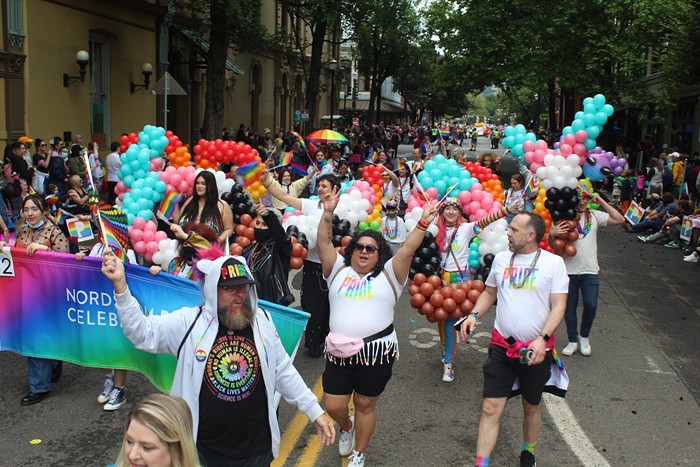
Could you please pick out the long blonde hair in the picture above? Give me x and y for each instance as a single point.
(171, 421)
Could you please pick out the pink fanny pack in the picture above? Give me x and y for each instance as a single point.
(344, 347)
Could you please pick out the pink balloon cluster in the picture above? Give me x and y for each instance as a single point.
(475, 202)
(366, 191)
(145, 236)
(180, 179)
(535, 152)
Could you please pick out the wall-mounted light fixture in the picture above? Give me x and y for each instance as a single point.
(82, 58)
(147, 71)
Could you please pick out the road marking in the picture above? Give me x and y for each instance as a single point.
(655, 368)
(294, 431)
(572, 432)
(413, 338)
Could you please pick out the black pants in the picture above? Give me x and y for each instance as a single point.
(211, 459)
(111, 194)
(314, 300)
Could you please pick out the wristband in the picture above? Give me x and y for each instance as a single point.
(421, 227)
(475, 315)
(423, 223)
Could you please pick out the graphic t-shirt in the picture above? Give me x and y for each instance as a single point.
(233, 418)
(522, 312)
(460, 247)
(394, 229)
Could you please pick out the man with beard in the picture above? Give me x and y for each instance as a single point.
(531, 286)
(230, 363)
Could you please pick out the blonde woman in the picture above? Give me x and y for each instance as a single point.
(158, 433)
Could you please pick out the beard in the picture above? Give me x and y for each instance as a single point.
(236, 316)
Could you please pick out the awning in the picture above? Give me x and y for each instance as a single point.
(203, 46)
(385, 106)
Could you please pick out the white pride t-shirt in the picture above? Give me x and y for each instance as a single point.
(311, 207)
(585, 261)
(363, 306)
(522, 312)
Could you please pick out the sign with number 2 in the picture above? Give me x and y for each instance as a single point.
(7, 266)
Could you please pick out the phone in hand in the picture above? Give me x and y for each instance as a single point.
(525, 355)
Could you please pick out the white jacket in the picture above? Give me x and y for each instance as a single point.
(164, 333)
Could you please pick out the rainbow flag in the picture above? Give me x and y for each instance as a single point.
(39, 317)
(444, 132)
(94, 203)
(684, 189)
(167, 206)
(301, 139)
(287, 159)
(373, 156)
(115, 231)
(530, 186)
(60, 216)
(51, 199)
(297, 168)
(251, 172)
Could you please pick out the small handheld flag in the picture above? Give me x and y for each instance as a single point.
(167, 206)
(251, 172)
(530, 186)
(115, 231)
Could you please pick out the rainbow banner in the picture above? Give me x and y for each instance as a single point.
(52, 306)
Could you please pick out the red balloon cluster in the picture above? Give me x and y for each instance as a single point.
(245, 234)
(343, 243)
(478, 171)
(173, 142)
(437, 301)
(209, 153)
(372, 174)
(126, 140)
(563, 244)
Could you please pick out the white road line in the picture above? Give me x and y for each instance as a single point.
(434, 337)
(572, 432)
(655, 368)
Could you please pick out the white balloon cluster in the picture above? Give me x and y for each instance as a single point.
(559, 171)
(493, 238)
(167, 250)
(413, 216)
(223, 184)
(353, 207)
(308, 225)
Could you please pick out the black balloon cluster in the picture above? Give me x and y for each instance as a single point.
(293, 231)
(562, 203)
(241, 203)
(341, 228)
(483, 272)
(426, 259)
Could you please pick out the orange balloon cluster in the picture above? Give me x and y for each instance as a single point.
(180, 157)
(299, 253)
(494, 187)
(563, 243)
(437, 301)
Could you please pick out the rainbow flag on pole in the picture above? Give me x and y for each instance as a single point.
(301, 139)
(251, 172)
(530, 186)
(287, 159)
(167, 206)
(116, 231)
(373, 156)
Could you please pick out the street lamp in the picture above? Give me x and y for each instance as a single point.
(82, 58)
(146, 71)
(332, 66)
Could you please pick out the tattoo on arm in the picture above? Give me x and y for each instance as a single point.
(329, 224)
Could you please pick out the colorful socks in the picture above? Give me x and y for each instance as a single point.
(529, 447)
(482, 461)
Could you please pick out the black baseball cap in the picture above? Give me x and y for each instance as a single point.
(234, 272)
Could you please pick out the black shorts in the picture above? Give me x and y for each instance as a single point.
(366, 380)
(500, 372)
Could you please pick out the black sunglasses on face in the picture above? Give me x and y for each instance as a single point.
(359, 247)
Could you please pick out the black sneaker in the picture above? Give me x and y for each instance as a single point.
(57, 372)
(527, 459)
(116, 399)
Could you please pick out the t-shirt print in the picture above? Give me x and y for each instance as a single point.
(233, 368)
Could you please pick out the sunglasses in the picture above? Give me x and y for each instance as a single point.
(359, 247)
(234, 288)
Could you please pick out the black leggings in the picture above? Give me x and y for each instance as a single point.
(314, 300)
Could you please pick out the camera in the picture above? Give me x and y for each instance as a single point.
(525, 355)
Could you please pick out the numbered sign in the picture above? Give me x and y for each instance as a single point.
(7, 265)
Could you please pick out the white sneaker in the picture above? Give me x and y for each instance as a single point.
(570, 349)
(109, 385)
(447, 374)
(691, 258)
(585, 347)
(357, 459)
(346, 440)
(116, 399)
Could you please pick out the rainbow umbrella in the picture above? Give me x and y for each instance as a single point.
(327, 137)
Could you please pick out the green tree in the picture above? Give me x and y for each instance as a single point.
(229, 25)
(383, 32)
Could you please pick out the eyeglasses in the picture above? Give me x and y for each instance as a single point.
(359, 247)
(234, 288)
(43, 144)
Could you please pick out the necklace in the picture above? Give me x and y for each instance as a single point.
(583, 231)
(519, 285)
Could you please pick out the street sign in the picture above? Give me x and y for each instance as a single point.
(297, 115)
(305, 115)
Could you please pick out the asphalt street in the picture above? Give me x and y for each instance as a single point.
(633, 402)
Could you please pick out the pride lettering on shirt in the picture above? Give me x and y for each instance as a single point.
(356, 289)
(515, 275)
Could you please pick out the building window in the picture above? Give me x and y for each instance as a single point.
(99, 96)
(15, 26)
